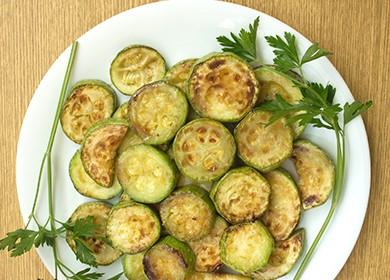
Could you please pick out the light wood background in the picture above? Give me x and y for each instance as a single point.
(34, 33)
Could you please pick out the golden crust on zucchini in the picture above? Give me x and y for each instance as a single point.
(136, 66)
(206, 249)
(99, 150)
(283, 258)
(204, 150)
(222, 87)
(316, 173)
(157, 111)
(284, 209)
(104, 254)
(88, 103)
(260, 145)
(241, 195)
(187, 216)
(132, 227)
(179, 73)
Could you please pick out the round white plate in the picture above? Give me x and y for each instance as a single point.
(183, 29)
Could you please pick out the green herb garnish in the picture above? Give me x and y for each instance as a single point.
(316, 107)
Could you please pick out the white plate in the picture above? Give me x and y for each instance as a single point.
(182, 29)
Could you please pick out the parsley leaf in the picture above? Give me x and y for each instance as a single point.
(354, 109)
(83, 253)
(116, 277)
(21, 241)
(83, 227)
(85, 274)
(243, 44)
(287, 56)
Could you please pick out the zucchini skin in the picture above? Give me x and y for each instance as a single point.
(222, 137)
(311, 177)
(214, 61)
(84, 83)
(283, 258)
(123, 51)
(216, 276)
(120, 227)
(113, 145)
(243, 148)
(236, 238)
(102, 246)
(153, 128)
(133, 267)
(122, 112)
(163, 166)
(89, 187)
(184, 254)
(283, 213)
(179, 73)
(254, 189)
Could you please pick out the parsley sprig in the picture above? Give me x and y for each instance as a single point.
(23, 240)
(317, 106)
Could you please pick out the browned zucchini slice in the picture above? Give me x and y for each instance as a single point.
(316, 173)
(169, 259)
(89, 102)
(273, 83)
(157, 111)
(85, 185)
(246, 247)
(132, 227)
(216, 276)
(99, 149)
(179, 73)
(102, 251)
(133, 267)
(261, 145)
(284, 208)
(204, 150)
(136, 66)
(283, 258)
(188, 214)
(146, 174)
(206, 249)
(222, 87)
(241, 195)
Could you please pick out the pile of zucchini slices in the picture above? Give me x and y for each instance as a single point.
(197, 165)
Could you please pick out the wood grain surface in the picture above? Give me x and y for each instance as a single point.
(33, 33)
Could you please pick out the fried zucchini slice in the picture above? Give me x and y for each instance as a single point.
(99, 149)
(316, 173)
(206, 249)
(185, 181)
(169, 259)
(85, 185)
(136, 66)
(89, 101)
(131, 138)
(188, 214)
(260, 145)
(241, 195)
(283, 258)
(204, 150)
(146, 174)
(157, 111)
(133, 267)
(246, 247)
(179, 73)
(132, 227)
(273, 83)
(222, 87)
(102, 251)
(284, 208)
(216, 276)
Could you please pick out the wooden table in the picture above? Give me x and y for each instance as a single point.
(33, 33)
